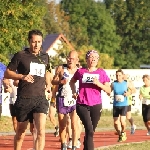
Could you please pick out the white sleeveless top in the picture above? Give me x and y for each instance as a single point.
(66, 90)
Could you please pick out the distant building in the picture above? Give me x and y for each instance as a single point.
(53, 42)
(145, 66)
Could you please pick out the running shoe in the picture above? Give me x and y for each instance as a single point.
(69, 145)
(133, 128)
(57, 131)
(122, 137)
(78, 144)
(148, 133)
(63, 146)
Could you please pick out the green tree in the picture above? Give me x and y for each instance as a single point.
(55, 21)
(91, 24)
(16, 19)
(132, 22)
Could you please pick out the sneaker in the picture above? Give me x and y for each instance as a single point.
(148, 133)
(57, 131)
(122, 137)
(74, 148)
(133, 128)
(69, 145)
(63, 146)
(78, 144)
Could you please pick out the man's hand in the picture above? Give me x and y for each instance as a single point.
(48, 91)
(127, 93)
(7, 88)
(75, 95)
(28, 78)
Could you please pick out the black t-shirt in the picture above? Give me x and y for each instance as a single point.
(21, 62)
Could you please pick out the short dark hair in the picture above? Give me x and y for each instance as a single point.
(119, 70)
(34, 32)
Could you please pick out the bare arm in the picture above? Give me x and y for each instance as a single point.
(105, 87)
(72, 85)
(12, 75)
(132, 88)
(58, 76)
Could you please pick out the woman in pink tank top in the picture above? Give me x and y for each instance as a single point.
(89, 102)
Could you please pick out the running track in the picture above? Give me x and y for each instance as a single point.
(104, 138)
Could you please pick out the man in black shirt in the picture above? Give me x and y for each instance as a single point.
(33, 79)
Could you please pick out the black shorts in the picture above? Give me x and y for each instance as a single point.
(12, 110)
(146, 112)
(25, 107)
(129, 108)
(120, 110)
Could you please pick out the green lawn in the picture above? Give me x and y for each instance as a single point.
(106, 123)
(134, 146)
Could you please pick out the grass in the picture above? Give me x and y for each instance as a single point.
(106, 122)
(131, 146)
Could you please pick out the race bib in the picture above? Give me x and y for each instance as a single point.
(146, 101)
(69, 101)
(88, 78)
(119, 98)
(37, 69)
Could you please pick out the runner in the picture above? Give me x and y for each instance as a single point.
(145, 98)
(52, 110)
(31, 101)
(64, 102)
(89, 103)
(129, 117)
(120, 87)
(10, 86)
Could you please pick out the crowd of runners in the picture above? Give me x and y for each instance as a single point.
(72, 92)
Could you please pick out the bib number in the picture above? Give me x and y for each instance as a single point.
(146, 101)
(119, 98)
(69, 101)
(88, 78)
(37, 69)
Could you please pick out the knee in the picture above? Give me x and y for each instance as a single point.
(41, 132)
(62, 125)
(20, 134)
(90, 132)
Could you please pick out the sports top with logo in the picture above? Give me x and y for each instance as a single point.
(145, 92)
(26, 63)
(119, 89)
(65, 90)
(89, 93)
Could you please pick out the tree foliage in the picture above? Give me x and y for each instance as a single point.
(91, 24)
(16, 19)
(55, 21)
(133, 26)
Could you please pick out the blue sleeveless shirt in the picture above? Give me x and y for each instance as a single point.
(119, 89)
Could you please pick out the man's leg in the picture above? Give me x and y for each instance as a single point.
(133, 126)
(40, 121)
(116, 118)
(13, 114)
(74, 127)
(20, 133)
(52, 112)
(69, 132)
(62, 128)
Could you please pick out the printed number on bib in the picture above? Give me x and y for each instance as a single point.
(146, 101)
(37, 69)
(119, 98)
(88, 78)
(69, 102)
